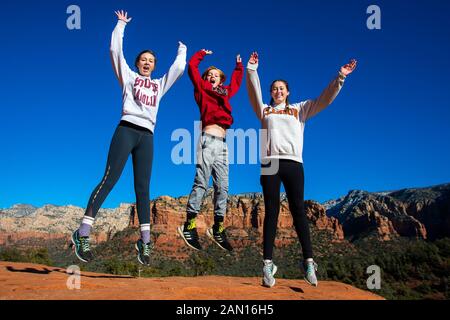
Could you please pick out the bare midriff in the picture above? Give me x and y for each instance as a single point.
(215, 130)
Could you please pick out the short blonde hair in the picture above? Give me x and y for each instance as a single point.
(222, 75)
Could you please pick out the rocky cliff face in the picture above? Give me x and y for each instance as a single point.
(245, 213)
(418, 213)
(23, 222)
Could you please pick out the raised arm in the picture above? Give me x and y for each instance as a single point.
(236, 76)
(176, 69)
(254, 86)
(120, 66)
(193, 71)
(312, 107)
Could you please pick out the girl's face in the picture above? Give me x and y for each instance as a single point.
(279, 92)
(146, 64)
(213, 77)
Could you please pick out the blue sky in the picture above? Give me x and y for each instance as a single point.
(60, 101)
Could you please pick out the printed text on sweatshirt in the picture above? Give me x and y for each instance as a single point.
(284, 125)
(141, 95)
(215, 107)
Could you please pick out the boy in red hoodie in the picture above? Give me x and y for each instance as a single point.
(212, 97)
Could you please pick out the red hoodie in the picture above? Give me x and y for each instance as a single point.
(214, 107)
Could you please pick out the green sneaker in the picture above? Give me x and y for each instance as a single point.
(143, 252)
(81, 247)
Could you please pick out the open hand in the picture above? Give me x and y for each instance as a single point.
(207, 51)
(253, 58)
(121, 15)
(349, 67)
(238, 58)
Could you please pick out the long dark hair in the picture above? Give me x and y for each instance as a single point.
(141, 53)
(287, 88)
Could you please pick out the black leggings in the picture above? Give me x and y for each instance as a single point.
(290, 173)
(128, 138)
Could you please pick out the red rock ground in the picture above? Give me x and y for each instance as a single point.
(24, 281)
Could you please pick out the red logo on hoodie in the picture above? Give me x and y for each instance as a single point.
(142, 94)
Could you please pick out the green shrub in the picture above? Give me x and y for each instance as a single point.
(38, 256)
(12, 255)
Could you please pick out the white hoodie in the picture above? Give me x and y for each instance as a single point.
(284, 126)
(141, 95)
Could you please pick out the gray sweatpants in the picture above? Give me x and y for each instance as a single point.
(212, 159)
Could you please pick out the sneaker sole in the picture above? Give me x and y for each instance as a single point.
(211, 236)
(267, 285)
(75, 250)
(180, 232)
(310, 283)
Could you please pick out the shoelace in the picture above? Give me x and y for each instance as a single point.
(268, 268)
(85, 244)
(311, 267)
(147, 249)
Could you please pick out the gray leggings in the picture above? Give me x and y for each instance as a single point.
(128, 138)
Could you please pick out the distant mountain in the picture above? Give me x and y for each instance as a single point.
(20, 210)
(418, 213)
(415, 212)
(245, 216)
(49, 222)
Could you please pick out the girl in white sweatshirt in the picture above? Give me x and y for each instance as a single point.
(281, 158)
(140, 102)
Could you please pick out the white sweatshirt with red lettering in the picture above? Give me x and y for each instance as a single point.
(282, 125)
(141, 95)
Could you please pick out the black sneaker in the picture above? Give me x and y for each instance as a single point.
(143, 252)
(188, 232)
(219, 237)
(81, 247)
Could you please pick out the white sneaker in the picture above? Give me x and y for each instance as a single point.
(310, 272)
(269, 271)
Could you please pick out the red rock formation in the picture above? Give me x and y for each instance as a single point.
(318, 216)
(134, 220)
(7, 238)
(362, 213)
(243, 214)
